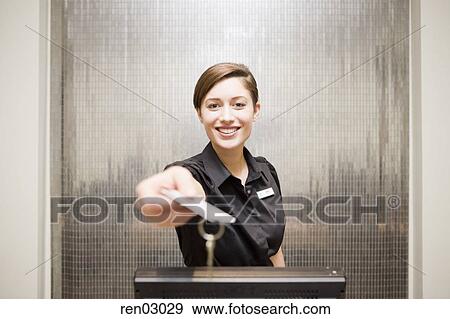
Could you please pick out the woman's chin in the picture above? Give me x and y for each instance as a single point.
(228, 144)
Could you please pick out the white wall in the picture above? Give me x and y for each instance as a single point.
(435, 69)
(22, 137)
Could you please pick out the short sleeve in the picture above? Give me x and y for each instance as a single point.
(274, 174)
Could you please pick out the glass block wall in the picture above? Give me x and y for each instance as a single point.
(333, 80)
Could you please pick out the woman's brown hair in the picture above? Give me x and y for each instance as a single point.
(219, 72)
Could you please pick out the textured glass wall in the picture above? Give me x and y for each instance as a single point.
(333, 80)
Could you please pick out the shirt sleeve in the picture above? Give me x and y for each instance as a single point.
(274, 174)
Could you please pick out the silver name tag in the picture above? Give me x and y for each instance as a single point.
(265, 193)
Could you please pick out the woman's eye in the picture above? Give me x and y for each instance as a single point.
(240, 105)
(212, 106)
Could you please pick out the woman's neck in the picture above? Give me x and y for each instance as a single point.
(233, 159)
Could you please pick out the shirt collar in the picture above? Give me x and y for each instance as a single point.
(217, 170)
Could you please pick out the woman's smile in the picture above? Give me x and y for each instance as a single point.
(227, 132)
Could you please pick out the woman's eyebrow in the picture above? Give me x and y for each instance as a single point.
(212, 99)
(237, 97)
(217, 99)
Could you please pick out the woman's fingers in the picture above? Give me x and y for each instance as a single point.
(153, 206)
(160, 209)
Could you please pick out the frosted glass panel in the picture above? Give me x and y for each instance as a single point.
(333, 81)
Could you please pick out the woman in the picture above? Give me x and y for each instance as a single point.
(227, 175)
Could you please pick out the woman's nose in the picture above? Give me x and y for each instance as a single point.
(226, 115)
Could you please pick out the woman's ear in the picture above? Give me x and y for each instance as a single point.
(256, 110)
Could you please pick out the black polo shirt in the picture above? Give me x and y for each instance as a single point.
(258, 231)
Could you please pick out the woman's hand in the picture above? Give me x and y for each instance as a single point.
(278, 259)
(161, 210)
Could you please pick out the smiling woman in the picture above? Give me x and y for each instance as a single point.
(227, 175)
(226, 101)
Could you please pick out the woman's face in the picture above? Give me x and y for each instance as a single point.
(228, 113)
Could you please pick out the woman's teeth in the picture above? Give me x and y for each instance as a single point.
(227, 130)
